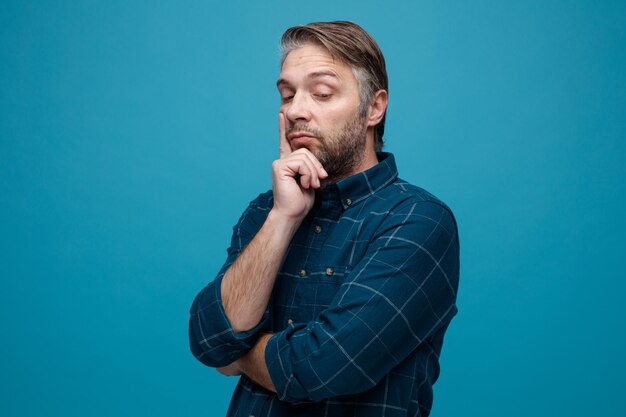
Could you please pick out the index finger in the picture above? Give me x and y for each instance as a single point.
(284, 146)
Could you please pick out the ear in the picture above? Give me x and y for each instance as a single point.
(378, 105)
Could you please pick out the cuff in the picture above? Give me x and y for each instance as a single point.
(278, 360)
(217, 341)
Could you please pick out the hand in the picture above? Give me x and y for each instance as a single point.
(295, 176)
(230, 370)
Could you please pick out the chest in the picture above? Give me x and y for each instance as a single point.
(320, 258)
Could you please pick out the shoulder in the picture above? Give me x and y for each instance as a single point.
(422, 220)
(255, 213)
(263, 202)
(408, 211)
(404, 197)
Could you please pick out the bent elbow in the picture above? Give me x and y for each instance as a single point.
(217, 355)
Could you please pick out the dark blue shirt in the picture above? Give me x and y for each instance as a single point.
(359, 308)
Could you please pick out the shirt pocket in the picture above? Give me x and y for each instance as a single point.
(315, 288)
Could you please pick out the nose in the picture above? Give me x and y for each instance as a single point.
(298, 109)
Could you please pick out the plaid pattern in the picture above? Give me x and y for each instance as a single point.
(359, 308)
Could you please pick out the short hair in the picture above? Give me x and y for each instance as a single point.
(351, 44)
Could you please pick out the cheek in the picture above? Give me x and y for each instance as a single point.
(338, 115)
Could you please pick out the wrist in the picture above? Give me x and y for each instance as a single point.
(246, 364)
(281, 222)
(242, 363)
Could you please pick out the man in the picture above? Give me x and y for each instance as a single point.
(340, 282)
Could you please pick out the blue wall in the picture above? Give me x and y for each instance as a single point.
(132, 134)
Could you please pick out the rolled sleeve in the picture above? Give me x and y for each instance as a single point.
(400, 293)
(212, 339)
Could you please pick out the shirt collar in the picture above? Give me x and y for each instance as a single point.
(358, 187)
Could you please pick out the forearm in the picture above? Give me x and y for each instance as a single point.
(254, 366)
(247, 285)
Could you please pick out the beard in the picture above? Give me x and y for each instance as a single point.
(339, 151)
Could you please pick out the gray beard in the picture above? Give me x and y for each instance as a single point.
(341, 155)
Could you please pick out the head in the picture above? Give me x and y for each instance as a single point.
(333, 82)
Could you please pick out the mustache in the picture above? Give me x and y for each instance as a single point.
(304, 128)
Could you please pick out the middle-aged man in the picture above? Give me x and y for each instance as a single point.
(339, 282)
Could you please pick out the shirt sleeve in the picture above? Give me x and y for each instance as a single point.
(211, 337)
(401, 292)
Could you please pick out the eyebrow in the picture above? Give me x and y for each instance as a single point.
(316, 74)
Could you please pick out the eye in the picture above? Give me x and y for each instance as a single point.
(322, 96)
(286, 94)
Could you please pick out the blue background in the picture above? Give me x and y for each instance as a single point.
(132, 135)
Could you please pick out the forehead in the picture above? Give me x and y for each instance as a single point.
(313, 59)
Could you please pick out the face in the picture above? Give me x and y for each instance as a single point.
(320, 100)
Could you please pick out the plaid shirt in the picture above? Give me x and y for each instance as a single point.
(359, 307)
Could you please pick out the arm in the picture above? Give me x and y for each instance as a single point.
(396, 297)
(248, 284)
(228, 314)
(253, 365)
(211, 337)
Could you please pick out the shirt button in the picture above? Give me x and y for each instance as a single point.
(290, 321)
(317, 229)
(348, 202)
(330, 271)
(302, 272)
